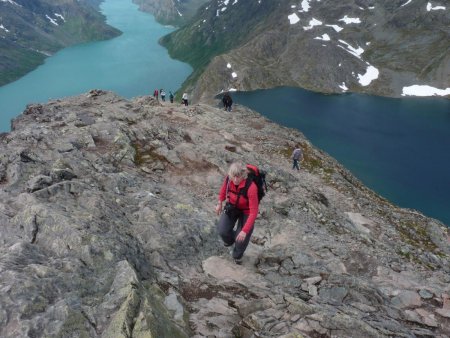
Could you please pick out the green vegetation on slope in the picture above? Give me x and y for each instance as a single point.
(209, 35)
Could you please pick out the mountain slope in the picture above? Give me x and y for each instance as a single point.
(109, 230)
(174, 12)
(376, 47)
(32, 30)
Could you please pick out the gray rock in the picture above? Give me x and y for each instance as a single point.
(39, 182)
(406, 299)
(425, 294)
(101, 246)
(334, 295)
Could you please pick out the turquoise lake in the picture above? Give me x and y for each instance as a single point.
(131, 64)
(399, 148)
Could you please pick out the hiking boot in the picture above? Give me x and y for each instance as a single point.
(238, 261)
(227, 245)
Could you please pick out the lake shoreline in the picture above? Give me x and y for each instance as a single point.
(375, 144)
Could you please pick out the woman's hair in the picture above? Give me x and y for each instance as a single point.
(237, 169)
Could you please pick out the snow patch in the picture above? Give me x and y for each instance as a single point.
(324, 37)
(313, 22)
(234, 75)
(293, 19)
(335, 27)
(349, 20)
(354, 51)
(370, 75)
(305, 6)
(343, 87)
(53, 21)
(228, 65)
(11, 2)
(431, 8)
(3, 27)
(423, 90)
(406, 3)
(60, 16)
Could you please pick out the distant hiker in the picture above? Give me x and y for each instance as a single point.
(227, 101)
(297, 156)
(163, 95)
(170, 96)
(184, 99)
(241, 205)
(155, 94)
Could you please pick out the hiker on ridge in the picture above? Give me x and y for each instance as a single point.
(184, 99)
(227, 101)
(240, 206)
(170, 96)
(297, 155)
(163, 95)
(155, 94)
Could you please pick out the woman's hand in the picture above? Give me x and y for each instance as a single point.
(219, 208)
(241, 237)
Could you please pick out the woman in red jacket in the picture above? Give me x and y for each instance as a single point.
(241, 205)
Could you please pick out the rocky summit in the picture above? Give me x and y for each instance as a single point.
(108, 230)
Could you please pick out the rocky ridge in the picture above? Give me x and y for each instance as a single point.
(108, 230)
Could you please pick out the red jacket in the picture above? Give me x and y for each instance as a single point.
(249, 205)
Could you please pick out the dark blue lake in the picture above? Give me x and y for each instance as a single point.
(400, 148)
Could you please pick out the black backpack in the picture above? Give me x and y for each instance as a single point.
(257, 176)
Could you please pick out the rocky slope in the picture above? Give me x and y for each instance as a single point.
(108, 230)
(31, 30)
(174, 12)
(367, 46)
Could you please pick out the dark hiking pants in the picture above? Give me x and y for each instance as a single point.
(226, 230)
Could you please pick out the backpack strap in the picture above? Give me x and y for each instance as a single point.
(228, 188)
(242, 192)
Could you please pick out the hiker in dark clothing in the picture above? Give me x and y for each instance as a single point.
(170, 96)
(227, 101)
(297, 156)
(239, 207)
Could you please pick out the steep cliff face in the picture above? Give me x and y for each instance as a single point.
(108, 230)
(377, 47)
(174, 12)
(32, 30)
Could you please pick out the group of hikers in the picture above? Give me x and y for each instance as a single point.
(162, 93)
(242, 190)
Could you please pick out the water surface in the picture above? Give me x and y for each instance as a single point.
(132, 64)
(398, 147)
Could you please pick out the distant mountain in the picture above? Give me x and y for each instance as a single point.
(377, 47)
(31, 30)
(174, 12)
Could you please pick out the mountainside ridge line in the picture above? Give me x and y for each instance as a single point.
(108, 229)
